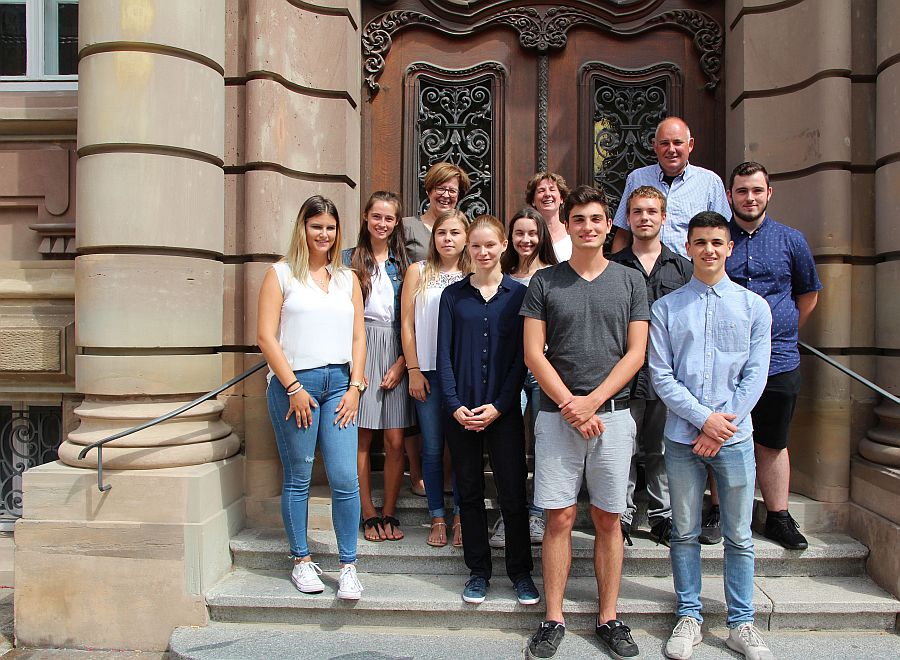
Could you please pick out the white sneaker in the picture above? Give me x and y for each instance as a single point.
(349, 587)
(747, 640)
(305, 577)
(685, 636)
(536, 528)
(498, 535)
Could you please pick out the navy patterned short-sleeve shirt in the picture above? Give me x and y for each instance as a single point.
(775, 262)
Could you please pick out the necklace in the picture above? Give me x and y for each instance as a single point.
(320, 280)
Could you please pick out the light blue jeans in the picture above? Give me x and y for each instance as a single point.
(734, 469)
(430, 416)
(297, 448)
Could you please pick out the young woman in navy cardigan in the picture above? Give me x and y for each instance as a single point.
(481, 367)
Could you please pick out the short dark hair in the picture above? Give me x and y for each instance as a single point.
(747, 168)
(707, 219)
(584, 195)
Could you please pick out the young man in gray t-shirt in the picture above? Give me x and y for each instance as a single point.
(592, 316)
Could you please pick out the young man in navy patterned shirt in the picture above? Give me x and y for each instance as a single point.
(775, 261)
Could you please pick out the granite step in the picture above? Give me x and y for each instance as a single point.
(267, 549)
(433, 601)
(232, 641)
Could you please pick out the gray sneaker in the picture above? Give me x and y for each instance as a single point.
(685, 636)
(498, 534)
(746, 639)
(536, 529)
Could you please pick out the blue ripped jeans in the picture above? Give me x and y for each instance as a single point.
(297, 448)
(431, 423)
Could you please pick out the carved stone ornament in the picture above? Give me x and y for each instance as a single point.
(542, 30)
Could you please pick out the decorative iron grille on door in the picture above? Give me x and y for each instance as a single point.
(29, 436)
(623, 107)
(458, 119)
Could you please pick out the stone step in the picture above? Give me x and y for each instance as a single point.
(433, 601)
(225, 641)
(267, 549)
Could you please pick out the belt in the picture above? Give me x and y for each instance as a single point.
(612, 405)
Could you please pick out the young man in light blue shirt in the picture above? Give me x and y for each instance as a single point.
(710, 343)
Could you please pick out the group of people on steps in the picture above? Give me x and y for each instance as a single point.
(465, 331)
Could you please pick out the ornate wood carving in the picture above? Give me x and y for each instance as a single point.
(543, 30)
(543, 111)
(458, 119)
(377, 39)
(708, 38)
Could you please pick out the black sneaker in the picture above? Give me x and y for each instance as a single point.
(662, 532)
(626, 532)
(545, 642)
(617, 637)
(711, 531)
(782, 528)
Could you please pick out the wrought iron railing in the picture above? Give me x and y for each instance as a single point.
(29, 436)
(162, 418)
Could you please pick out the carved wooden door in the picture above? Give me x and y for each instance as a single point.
(505, 89)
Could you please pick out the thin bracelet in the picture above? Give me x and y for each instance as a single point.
(296, 382)
(413, 368)
(293, 392)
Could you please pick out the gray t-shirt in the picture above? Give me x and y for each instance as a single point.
(587, 322)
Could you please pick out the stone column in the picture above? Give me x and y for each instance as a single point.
(122, 568)
(806, 113)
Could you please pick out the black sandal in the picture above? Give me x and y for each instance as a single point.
(395, 525)
(373, 523)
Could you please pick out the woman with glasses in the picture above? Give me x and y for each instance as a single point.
(445, 185)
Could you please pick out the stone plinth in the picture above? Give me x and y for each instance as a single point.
(121, 569)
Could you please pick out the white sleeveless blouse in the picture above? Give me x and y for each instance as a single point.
(427, 307)
(316, 328)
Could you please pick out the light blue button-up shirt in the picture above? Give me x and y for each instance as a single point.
(709, 352)
(695, 189)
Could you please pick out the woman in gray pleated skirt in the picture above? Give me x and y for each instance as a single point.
(380, 261)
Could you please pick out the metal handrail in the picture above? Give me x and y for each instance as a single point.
(855, 376)
(153, 422)
(252, 370)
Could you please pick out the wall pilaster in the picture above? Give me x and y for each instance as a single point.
(882, 443)
(292, 130)
(806, 113)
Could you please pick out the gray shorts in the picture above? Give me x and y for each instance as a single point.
(562, 458)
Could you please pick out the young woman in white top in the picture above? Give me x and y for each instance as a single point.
(447, 262)
(310, 330)
(379, 261)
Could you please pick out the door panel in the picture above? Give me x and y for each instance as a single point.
(629, 46)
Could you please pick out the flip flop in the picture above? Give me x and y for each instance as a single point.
(395, 526)
(372, 523)
(455, 544)
(432, 543)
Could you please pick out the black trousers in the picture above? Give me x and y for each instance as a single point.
(505, 439)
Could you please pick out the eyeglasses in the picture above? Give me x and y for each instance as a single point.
(443, 190)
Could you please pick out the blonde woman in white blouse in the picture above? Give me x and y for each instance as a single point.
(310, 330)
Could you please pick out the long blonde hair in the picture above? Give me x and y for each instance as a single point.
(432, 268)
(297, 256)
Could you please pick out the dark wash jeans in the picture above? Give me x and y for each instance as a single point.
(505, 440)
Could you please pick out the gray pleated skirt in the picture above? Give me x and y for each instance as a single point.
(378, 408)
